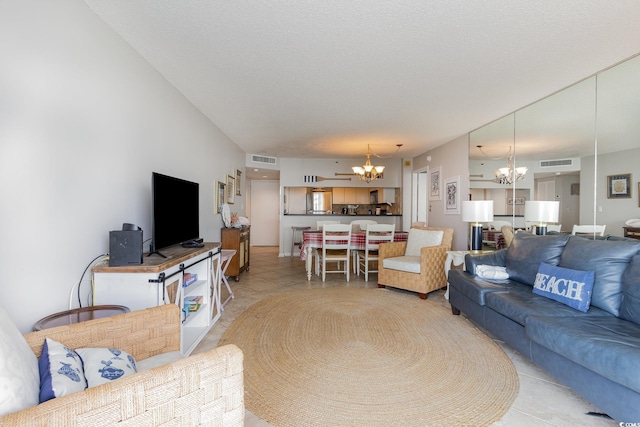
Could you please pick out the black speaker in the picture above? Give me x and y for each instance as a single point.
(125, 248)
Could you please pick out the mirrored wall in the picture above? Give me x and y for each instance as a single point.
(574, 145)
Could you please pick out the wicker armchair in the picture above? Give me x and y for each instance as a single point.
(203, 389)
(431, 276)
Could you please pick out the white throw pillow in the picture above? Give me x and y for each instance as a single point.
(60, 371)
(102, 365)
(19, 379)
(421, 239)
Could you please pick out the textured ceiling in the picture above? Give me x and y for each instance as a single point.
(303, 78)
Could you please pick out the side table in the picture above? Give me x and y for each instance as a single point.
(77, 315)
(456, 258)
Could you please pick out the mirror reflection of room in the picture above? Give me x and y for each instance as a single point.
(570, 143)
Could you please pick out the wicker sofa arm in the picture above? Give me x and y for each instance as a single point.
(433, 257)
(141, 333)
(203, 389)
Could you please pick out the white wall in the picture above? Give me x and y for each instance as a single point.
(265, 223)
(84, 120)
(453, 158)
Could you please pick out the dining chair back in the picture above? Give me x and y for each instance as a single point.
(554, 227)
(375, 235)
(594, 230)
(361, 224)
(320, 224)
(336, 248)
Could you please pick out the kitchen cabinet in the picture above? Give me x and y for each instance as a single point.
(338, 196)
(351, 196)
(238, 239)
(362, 196)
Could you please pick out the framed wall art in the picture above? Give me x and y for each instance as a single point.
(238, 182)
(221, 195)
(231, 190)
(452, 196)
(435, 184)
(619, 186)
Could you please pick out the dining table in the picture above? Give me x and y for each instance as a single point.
(312, 239)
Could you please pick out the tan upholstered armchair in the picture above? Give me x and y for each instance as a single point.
(202, 389)
(428, 276)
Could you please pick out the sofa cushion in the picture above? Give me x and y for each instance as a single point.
(19, 378)
(630, 306)
(608, 346)
(527, 251)
(608, 260)
(419, 238)
(102, 365)
(61, 371)
(570, 287)
(520, 303)
(410, 264)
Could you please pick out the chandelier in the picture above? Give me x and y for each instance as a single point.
(368, 172)
(509, 175)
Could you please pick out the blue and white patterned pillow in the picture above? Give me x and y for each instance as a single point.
(60, 371)
(570, 287)
(102, 365)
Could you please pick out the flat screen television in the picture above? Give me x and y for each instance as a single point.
(175, 211)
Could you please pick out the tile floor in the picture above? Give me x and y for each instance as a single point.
(542, 401)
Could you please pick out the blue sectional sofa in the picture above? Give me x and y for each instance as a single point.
(597, 352)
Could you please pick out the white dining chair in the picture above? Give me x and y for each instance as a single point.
(554, 227)
(336, 248)
(357, 226)
(320, 224)
(376, 234)
(597, 230)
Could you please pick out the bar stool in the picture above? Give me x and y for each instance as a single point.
(296, 237)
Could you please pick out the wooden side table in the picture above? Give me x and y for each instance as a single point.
(77, 315)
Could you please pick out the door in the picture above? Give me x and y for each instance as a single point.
(265, 220)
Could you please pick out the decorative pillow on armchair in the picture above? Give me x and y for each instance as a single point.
(102, 365)
(419, 238)
(61, 371)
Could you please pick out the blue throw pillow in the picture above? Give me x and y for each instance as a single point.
(61, 371)
(570, 287)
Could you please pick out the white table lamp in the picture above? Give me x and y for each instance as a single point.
(477, 211)
(541, 212)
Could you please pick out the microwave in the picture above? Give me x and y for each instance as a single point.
(373, 197)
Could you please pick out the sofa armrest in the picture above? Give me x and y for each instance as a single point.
(498, 259)
(391, 249)
(141, 333)
(206, 389)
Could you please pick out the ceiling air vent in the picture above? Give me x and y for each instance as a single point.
(265, 160)
(555, 163)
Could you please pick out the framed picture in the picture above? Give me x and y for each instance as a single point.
(575, 189)
(435, 184)
(231, 190)
(238, 182)
(452, 196)
(619, 186)
(221, 195)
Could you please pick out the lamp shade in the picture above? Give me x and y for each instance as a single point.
(541, 211)
(477, 210)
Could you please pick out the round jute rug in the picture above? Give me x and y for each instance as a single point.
(368, 357)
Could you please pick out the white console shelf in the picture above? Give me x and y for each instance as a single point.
(161, 280)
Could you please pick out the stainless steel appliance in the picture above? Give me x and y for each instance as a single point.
(319, 201)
